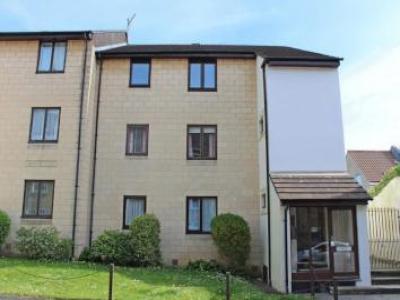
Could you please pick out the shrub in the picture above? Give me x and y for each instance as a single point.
(111, 246)
(145, 232)
(392, 173)
(5, 223)
(43, 243)
(204, 265)
(231, 234)
(85, 255)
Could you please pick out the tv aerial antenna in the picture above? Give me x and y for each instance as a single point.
(129, 21)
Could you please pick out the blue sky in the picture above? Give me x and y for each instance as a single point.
(366, 33)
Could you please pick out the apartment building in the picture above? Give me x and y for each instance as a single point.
(97, 132)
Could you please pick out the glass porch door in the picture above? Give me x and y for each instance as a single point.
(323, 242)
(343, 244)
(310, 252)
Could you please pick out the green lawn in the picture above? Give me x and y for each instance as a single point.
(89, 281)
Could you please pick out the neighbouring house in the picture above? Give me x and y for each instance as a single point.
(96, 132)
(369, 166)
(378, 172)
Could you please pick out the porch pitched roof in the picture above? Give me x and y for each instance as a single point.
(319, 188)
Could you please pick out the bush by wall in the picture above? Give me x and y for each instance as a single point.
(5, 224)
(392, 173)
(42, 243)
(145, 232)
(231, 235)
(205, 265)
(111, 246)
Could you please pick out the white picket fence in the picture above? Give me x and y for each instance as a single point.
(384, 238)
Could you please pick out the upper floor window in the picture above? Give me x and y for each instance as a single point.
(202, 142)
(140, 72)
(52, 57)
(202, 75)
(134, 206)
(38, 199)
(45, 125)
(137, 139)
(199, 213)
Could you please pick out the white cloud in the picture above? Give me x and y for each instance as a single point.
(371, 102)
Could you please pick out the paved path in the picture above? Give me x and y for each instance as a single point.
(18, 298)
(358, 297)
(317, 297)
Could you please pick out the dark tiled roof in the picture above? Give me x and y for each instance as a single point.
(37, 35)
(373, 164)
(335, 189)
(267, 52)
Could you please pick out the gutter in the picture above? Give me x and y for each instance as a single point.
(302, 62)
(182, 55)
(45, 35)
(266, 133)
(92, 195)
(78, 153)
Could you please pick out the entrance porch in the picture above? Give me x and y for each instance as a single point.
(326, 230)
(323, 243)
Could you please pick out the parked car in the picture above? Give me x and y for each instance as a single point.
(320, 252)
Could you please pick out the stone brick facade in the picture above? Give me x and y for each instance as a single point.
(165, 175)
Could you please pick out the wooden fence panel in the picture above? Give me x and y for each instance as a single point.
(384, 238)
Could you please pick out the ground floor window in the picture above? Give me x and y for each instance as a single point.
(38, 199)
(323, 241)
(199, 213)
(134, 206)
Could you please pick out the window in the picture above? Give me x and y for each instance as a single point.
(45, 123)
(202, 75)
(263, 201)
(137, 138)
(52, 57)
(199, 213)
(261, 125)
(134, 206)
(38, 199)
(140, 73)
(202, 142)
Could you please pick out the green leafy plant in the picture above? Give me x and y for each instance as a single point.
(231, 235)
(392, 173)
(145, 232)
(42, 243)
(205, 265)
(85, 254)
(111, 246)
(5, 224)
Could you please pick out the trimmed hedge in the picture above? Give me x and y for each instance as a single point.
(111, 246)
(145, 232)
(140, 246)
(231, 235)
(43, 243)
(5, 224)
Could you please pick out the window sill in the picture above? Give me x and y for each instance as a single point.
(139, 86)
(136, 156)
(50, 72)
(43, 142)
(198, 162)
(202, 90)
(36, 221)
(198, 233)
